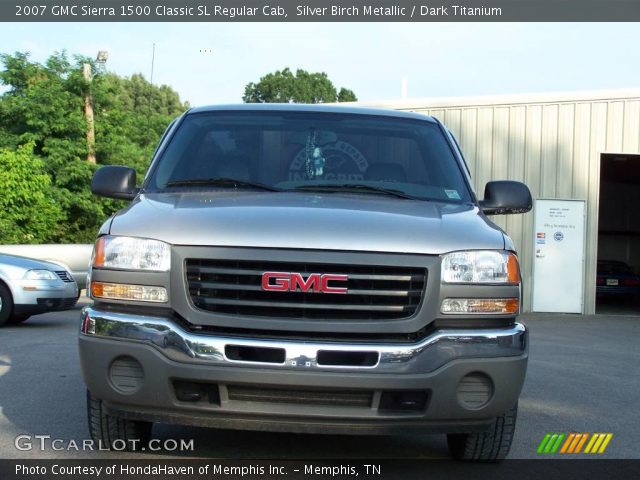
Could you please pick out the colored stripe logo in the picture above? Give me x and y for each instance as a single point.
(574, 443)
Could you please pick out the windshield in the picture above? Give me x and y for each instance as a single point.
(310, 151)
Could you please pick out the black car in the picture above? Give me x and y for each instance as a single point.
(617, 279)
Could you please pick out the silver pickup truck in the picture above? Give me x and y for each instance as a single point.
(300, 268)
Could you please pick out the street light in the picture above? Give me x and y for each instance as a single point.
(102, 57)
(101, 60)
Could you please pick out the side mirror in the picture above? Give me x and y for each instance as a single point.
(115, 182)
(504, 197)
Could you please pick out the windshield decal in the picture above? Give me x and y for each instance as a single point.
(452, 194)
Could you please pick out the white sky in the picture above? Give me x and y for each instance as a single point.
(438, 59)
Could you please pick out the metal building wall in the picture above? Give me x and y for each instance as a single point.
(552, 142)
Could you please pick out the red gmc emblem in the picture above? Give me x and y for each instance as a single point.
(291, 282)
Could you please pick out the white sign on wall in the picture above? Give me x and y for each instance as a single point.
(558, 265)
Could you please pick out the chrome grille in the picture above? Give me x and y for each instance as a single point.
(64, 276)
(373, 292)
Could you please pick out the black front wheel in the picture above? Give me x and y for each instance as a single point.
(491, 445)
(113, 432)
(6, 304)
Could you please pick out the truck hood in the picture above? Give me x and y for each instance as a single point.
(295, 220)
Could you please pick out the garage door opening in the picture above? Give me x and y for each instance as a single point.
(618, 271)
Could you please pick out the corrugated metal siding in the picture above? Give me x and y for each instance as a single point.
(554, 147)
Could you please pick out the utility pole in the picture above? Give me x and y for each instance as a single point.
(153, 61)
(101, 59)
(88, 112)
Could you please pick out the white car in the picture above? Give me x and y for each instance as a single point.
(29, 287)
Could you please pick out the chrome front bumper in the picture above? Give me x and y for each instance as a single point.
(427, 355)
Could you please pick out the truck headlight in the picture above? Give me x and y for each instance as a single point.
(130, 253)
(481, 266)
(40, 275)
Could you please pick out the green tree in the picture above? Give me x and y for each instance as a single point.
(29, 211)
(43, 107)
(283, 86)
(346, 95)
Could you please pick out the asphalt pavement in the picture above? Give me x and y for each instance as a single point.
(582, 377)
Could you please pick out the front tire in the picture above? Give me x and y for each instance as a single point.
(492, 445)
(113, 432)
(6, 304)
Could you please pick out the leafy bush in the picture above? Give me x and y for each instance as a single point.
(43, 131)
(28, 210)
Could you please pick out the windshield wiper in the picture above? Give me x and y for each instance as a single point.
(221, 182)
(355, 187)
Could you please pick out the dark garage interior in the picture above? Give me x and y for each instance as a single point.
(618, 271)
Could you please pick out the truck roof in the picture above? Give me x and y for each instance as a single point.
(299, 107)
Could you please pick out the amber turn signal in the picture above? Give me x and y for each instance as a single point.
(486, 306)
